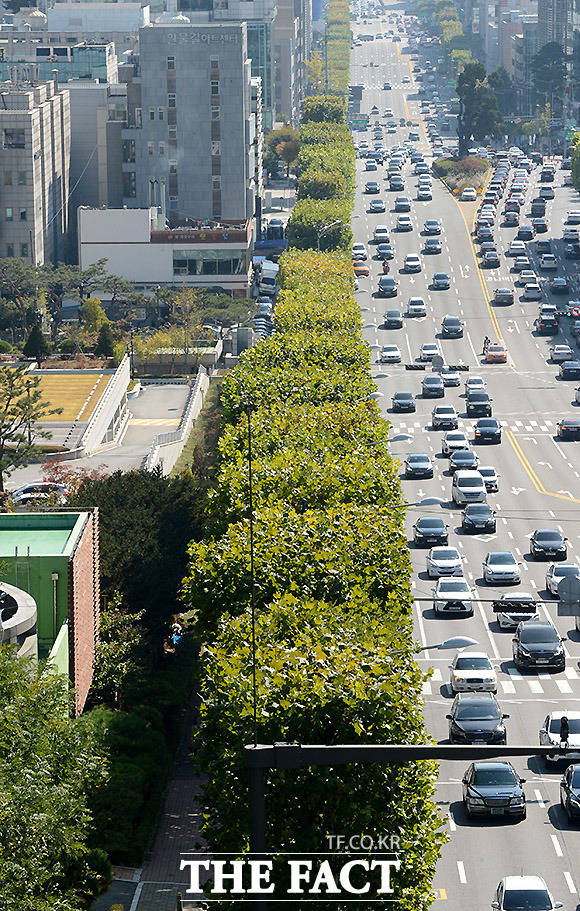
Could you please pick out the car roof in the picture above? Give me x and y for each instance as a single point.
(524, 882)
(473, 654)
(492, 763)
(475, 697)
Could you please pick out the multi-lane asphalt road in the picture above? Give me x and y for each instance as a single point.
(539, 482)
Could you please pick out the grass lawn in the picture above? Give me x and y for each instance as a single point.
(77, 394)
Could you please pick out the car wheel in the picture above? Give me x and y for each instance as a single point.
(468, 812)
(524, 814)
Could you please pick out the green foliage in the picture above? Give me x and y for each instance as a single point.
(549, 73)
(5, 347)
(36, 345)
(338, 46)
(309, 216)
(480, 115)
(92, 315)
(576, 160)
(48, 765)
(277, 143)
(321, 184)
(470, 171)
(105, 346)
(324, 109)
(21, 407)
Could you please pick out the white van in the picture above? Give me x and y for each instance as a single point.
(268, 283)
(468, 487)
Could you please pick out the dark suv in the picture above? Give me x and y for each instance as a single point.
(478, 404)
(476, 718)
(537, 644)
(549, 544)
(451, 327)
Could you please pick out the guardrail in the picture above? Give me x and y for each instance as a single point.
(167, 447)
(113, 399)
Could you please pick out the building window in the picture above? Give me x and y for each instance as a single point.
(24, 251)
(9, 249)
(209, 262)
(214, 63)
(22, 178)
(151, 113)
(173, 166)
(171, 100)
(129, 184)
(215, 86)
(173, 199)
(216, 147)
(138, 117)
(216, 183)
(162, 148)
(215, 112)
(23, 215)
(161, 113)
(150, 148)
(172, 133)
(128, 150)
(9, 213)
(216, 165)
(13, 139)
(7, 178)
(171, 63)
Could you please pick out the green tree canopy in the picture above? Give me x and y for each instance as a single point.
(37, 346)
(21, 406)
(480, 116)
(105, 342)
(549, 73)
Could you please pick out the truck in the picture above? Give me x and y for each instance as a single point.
(268, 283)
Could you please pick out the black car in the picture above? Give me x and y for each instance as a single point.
(451, 327)
(478, 404)
(393, 319)
(572, 251)
(463, 460)
(570, 370)
(428, 531)
(494, 789)
(385, 251)
(525, 232)
(537, 644)
(549, 544)
(432, 245)
(540, 225)
(418, 465)
(476, 718)
(403, 401)
(433, 387)
(570, 792)
(569, 429)
(478, 517)
(487, 430)
(547, 324)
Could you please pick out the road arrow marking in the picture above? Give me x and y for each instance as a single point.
(518, 490)
(547, 464)
(567, 493)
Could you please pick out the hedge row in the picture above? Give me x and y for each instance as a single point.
(331, 587)
(470, 171)
(338, 46)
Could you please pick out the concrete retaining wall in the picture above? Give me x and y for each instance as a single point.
(110, 417)
(167, 447)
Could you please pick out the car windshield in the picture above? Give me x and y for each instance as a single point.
(568, 569)
(487, 472)
(453, 585)
(468, 482)
(573, 725)
(463, 455)
(403, 395)
(501, 559)
(478, 711)
(548, 536)
(479, 396)
(526, 900)
(432, 380)
(440, 275)
(418, 458)
(430, 523)
(471, 663)
(540, 633)
(488, 777)
(445, 553)
(576, 779)
(478, 510)
(488, 423)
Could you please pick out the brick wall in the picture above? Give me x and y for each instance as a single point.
(84, 609)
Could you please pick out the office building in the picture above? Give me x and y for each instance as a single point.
(553, 22)
(258, 16)
(292, 38)
(34, 170)
(524, 49)
(140, 246)
(34, 61)
(97, 17)
(190, 145)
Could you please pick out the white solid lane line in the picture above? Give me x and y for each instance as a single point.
(557, 847)
(570, 883)
(539, 799)
(461, 872)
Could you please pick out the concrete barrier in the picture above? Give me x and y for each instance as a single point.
(110, 417)
(167, 447)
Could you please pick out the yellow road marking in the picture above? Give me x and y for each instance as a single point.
(440, 894)
(153, 422)
(532, 474)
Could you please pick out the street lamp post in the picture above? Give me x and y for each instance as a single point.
(252, 577)
(323, 230)
(29, 430)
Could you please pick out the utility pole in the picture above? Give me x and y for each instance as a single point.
(326, 58)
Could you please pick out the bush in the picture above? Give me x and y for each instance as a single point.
(310, 215)
(470, 171)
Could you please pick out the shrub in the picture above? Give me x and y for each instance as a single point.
(310, 215)
(470, 171)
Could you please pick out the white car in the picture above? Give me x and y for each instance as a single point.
(453, 596)
(359, 251)
(548, 261)
(525, 276)
(428, 351)
(424, 194)
(469, 194)
(550, 734)
(416, 307)
(454, 440)
(514, 612)
(556, 572)
(38, 492)
(444, 561)
(573, 218)
(450, 376)
(561, 353)
(390, 354)
(501, 567)
(474, 384)
(381, 234)
(472, 672)
(404, 223)
(412, 263)
(517, 248)
(523, 892)
(571, 235)
(532, 292)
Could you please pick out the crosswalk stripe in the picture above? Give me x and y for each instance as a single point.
(508, 687)
(427, 690)
(513, 672)
(437, 675)
(535, 686)
(563, 686)
(571, 673)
